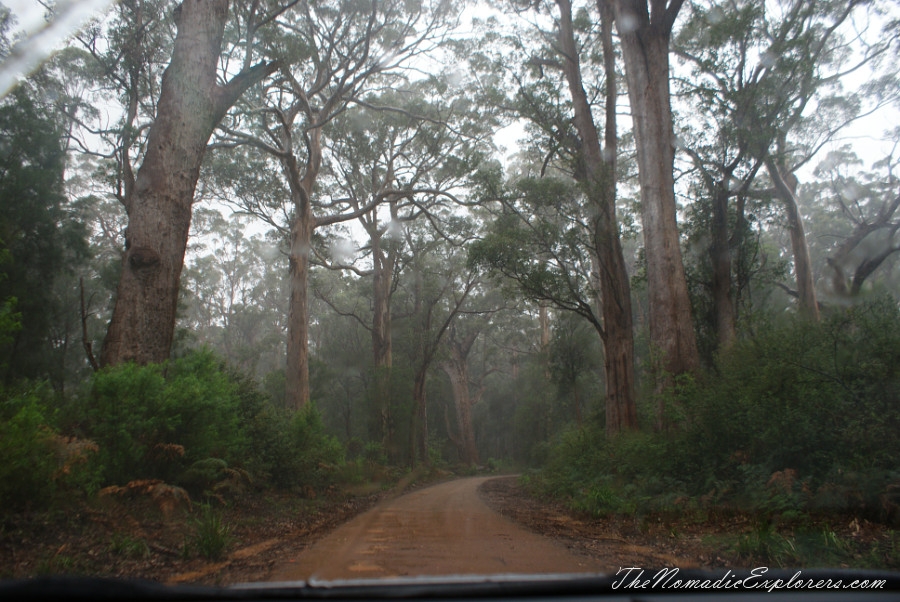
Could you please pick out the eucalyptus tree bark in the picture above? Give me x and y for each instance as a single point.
(544, 321)
(645, 32)
(382, 342)
(297, 374)
(786, 189)
(418, 428)
(457, 369)
(190, 106)
(600, 187)
(418, 432)
(384, 261)
(383, 270)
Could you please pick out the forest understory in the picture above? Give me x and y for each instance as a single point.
(138, 538)
(708, 540)
(146, 537)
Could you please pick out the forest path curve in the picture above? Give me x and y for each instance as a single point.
(444, 529)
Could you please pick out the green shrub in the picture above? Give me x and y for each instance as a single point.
(127, 414)
(203, 475)
(188, 421)
(150, 421)
(315, 454)
(28, 462)
(818, 399)
(801, 417)
(206, 399)
(38, 465)
(373, 451)
(265, 445)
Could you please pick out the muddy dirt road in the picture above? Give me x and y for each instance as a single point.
(445, 529)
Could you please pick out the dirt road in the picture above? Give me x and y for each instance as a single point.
(445, 529)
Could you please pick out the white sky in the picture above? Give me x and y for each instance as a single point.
(29, 13)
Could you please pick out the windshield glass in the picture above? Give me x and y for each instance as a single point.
(298, 290)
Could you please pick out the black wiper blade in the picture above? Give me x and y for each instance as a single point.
(525, 587)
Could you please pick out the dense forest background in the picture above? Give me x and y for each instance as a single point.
(281, 243)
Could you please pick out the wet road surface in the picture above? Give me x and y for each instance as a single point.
(444, 529)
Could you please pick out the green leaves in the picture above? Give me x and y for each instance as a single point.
(27, 460)
(135, 413)
(40, 239)
(540, 241)
(800, 418)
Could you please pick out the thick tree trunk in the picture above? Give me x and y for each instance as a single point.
(297, 375)
(645, 48)
(159, 210)
(382, 346)
(742, 275)
(785, 188)
(457, 368)
(599, 180)
(159, 204)
(458, 371)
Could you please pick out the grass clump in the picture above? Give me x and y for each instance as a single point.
(212, 535)
(123, 544)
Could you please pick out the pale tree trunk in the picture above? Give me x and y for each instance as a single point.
(544, 321)
(159, 205)
(459, 383)
(297, 370)
(599, 178)
(457, 369)
(418, 427)
(786, 189)
(644, 33)
(297, 374)
(382, 346)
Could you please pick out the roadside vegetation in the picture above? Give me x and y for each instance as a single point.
(188, 423)
(790, 429)
(165, 463)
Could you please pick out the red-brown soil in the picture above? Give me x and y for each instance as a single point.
(272, 536)
(445, 529)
